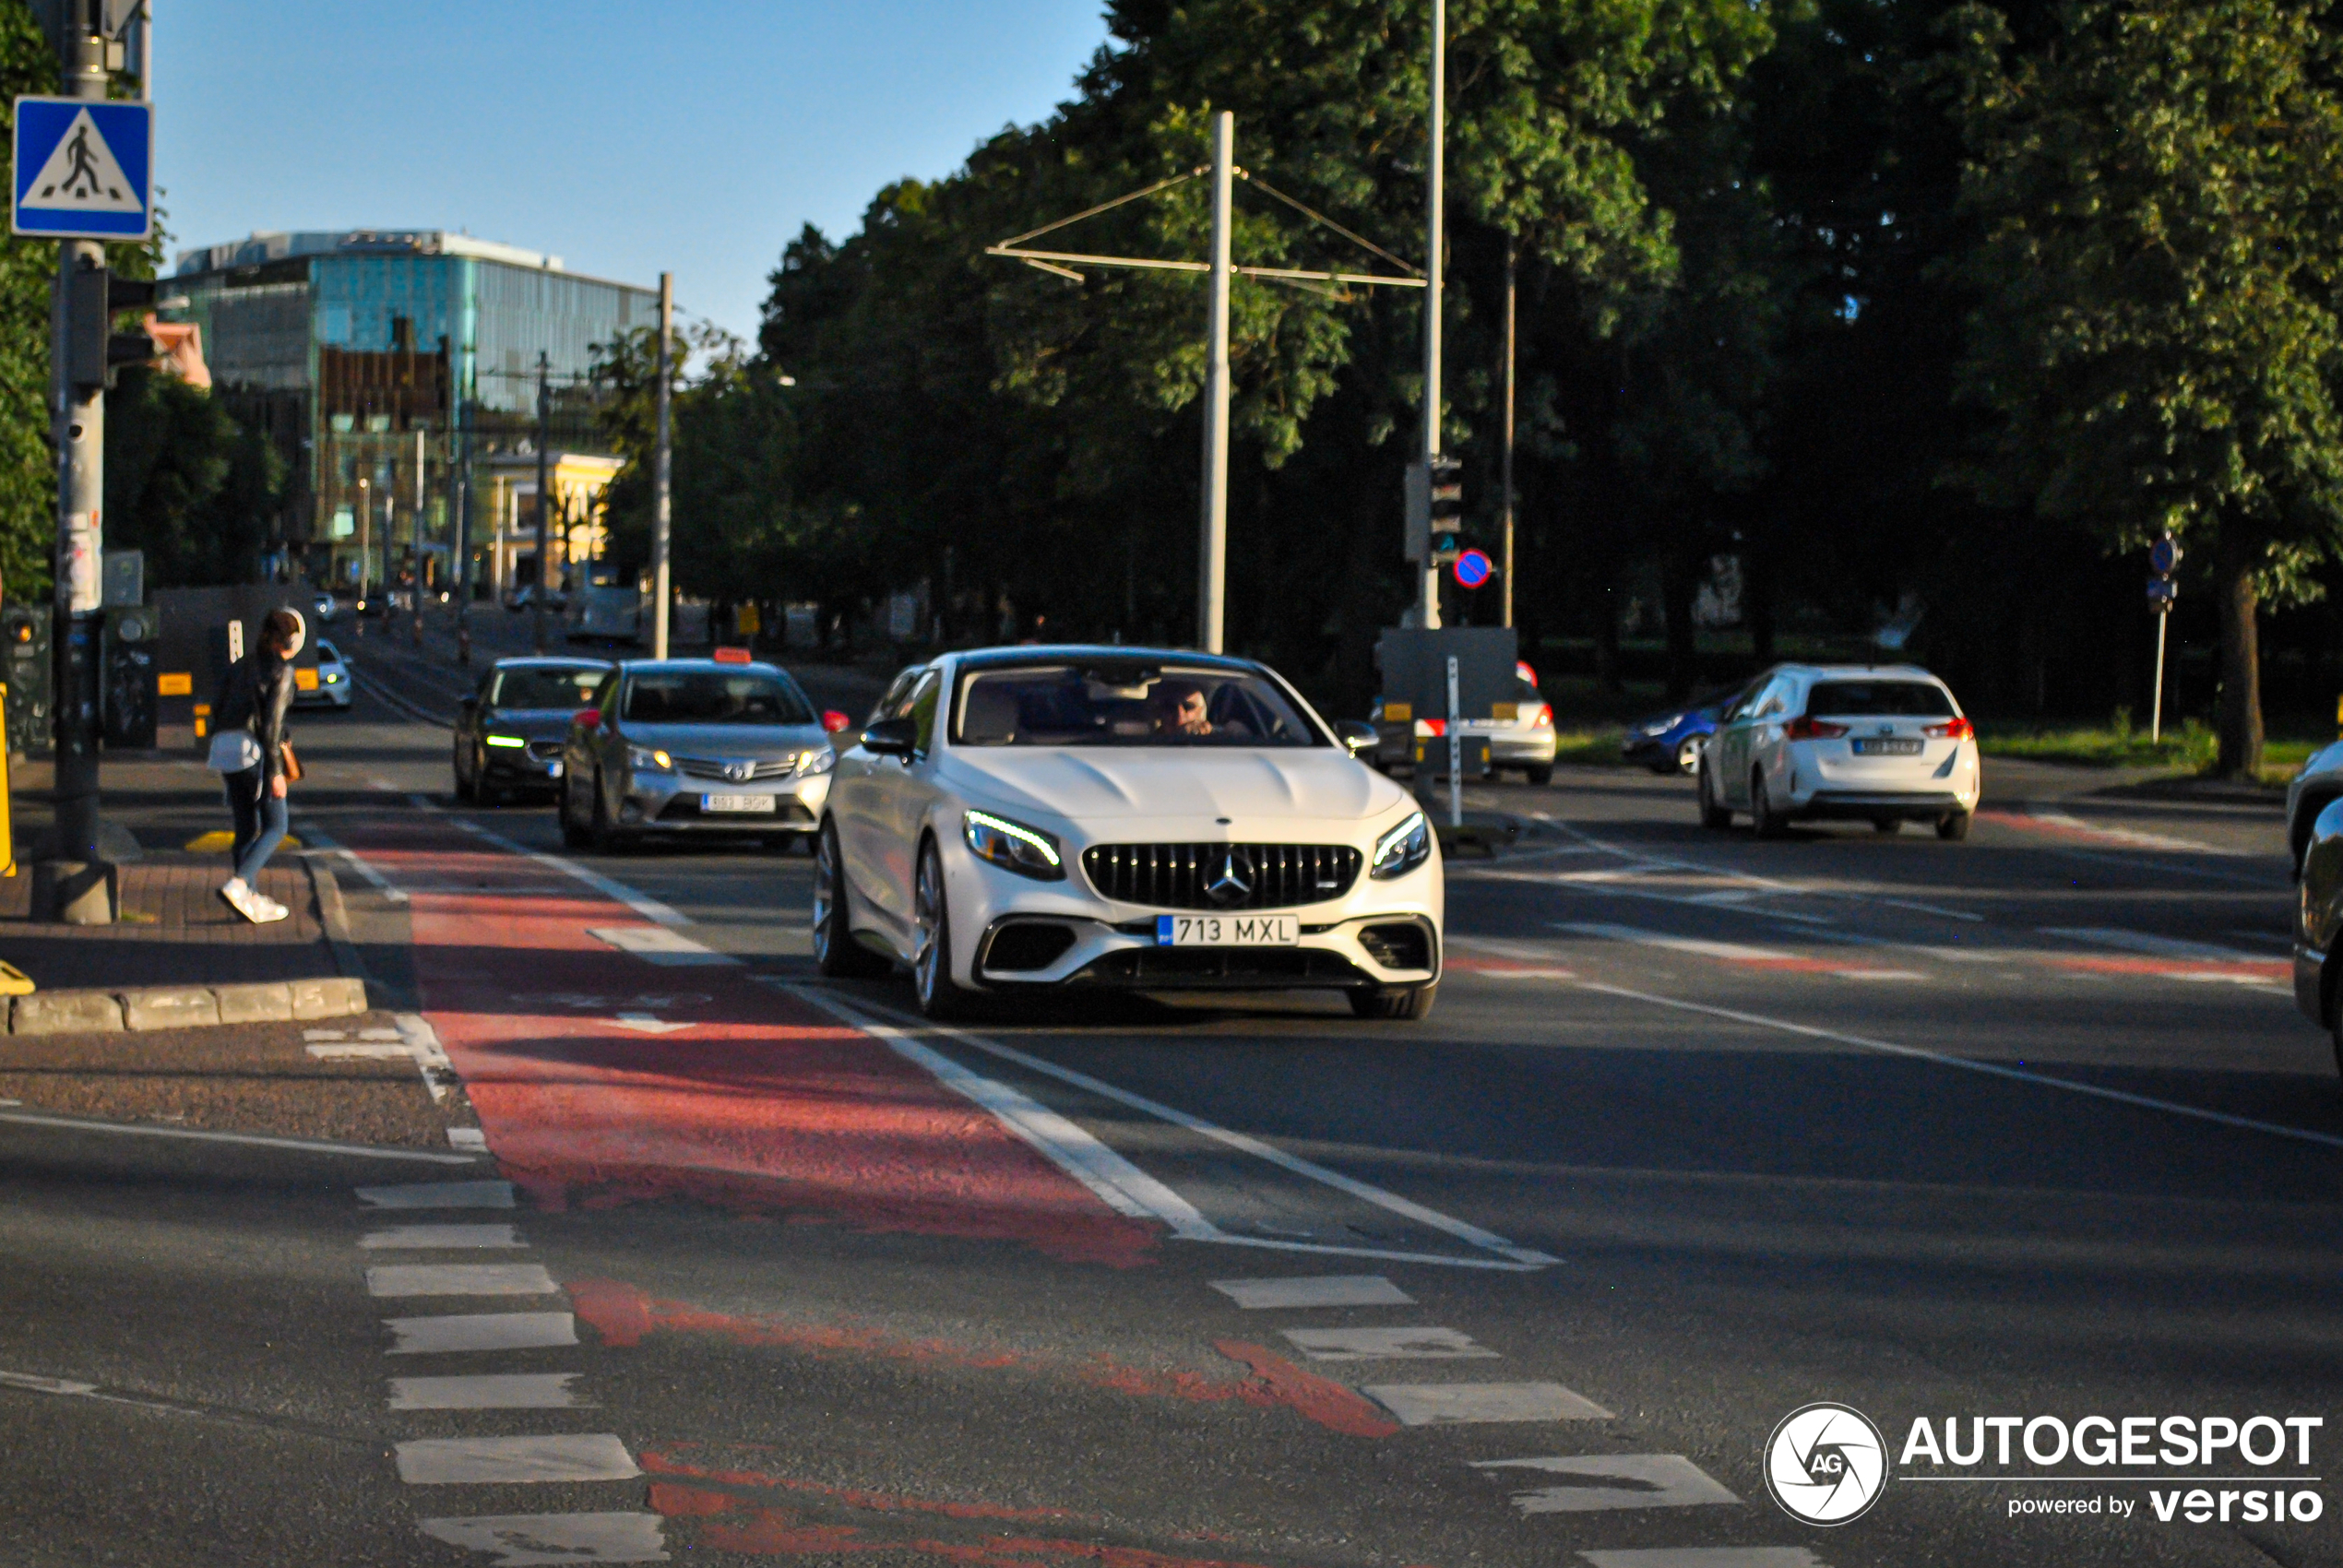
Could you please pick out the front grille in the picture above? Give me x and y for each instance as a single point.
(713, 767)
(545, 750)
(1179, 876)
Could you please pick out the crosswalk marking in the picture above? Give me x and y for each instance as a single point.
(472, 1461)
(1316, 1291)
(527, 1539)
(487, 1391)
(439, 1194)
(1457, 1404)
(460, 1279)
(472, 1237)
(480, 1331)
(1647, 1481)
(1387, 1344)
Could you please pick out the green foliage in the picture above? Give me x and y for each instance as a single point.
(185, 483)
(28, 470)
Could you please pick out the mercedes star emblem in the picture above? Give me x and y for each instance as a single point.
(1234, 882)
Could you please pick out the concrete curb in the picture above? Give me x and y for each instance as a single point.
(184, 1007)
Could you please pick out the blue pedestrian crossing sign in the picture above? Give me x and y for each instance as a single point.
(84, 170)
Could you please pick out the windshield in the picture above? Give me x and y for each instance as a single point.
(1886, 699)
(539, 687)
(1068, 705)
(713, 696)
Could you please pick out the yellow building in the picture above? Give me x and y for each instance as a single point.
(575, 531)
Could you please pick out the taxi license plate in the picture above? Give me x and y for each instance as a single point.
(1227, 931)
(736, 803)
(1887, 748)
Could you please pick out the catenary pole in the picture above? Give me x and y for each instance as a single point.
(661, 473)
(544, 505)
(1213, 557)
(80, 426)
(1505, 478)
(1428, 600)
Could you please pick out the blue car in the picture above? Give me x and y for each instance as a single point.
(1670, 741)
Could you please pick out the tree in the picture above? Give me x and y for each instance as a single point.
(185, 483)
(2156, 322)
(28, 470)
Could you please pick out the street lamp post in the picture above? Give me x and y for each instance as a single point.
(661, 474)
(1428, 587)
(544, 485)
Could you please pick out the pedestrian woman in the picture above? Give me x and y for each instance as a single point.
(249, 753)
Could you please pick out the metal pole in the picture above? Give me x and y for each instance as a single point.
(1505, 481)
(463, 533)
(415, 534)
(365, 551)
(544, 485)
(2156, 710)
(80, 415)
(1455, 752)
(1213, 559)
(1428, 590)
(662, 474)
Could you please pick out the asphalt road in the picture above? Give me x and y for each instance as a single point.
(1704, 1131)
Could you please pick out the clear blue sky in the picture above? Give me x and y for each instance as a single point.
(629, 138)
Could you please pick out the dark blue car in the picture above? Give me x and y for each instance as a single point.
(1670, 742)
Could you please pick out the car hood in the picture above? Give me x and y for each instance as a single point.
(729, 740)
(530, 723)
(1090, 783)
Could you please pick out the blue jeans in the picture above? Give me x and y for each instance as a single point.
(260, 821)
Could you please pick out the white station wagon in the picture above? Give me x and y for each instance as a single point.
(1885, 744)
(1019, 819)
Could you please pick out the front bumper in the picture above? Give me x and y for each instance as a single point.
(509, 768)
(674, 803)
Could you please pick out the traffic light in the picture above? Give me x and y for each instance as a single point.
(92, 347)
(1446, 508)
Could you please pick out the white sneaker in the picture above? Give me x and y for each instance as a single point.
(238, 896)
(265, 909)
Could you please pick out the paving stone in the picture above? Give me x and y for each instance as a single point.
(336, 998)
(258, 1003)
(65, 1013)
(169, 1007)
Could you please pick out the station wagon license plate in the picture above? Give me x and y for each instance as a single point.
(1227, 931)
(736, 803)
(1887, 748)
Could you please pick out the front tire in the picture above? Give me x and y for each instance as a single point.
(467, 787)
(836, 952)
(1713, 817)
(1764, 821)
(941, 997)
(605, 835)
(576, 835)
(1398, 1003)
(1885, 824)
(1539, 774)
(1952, 826)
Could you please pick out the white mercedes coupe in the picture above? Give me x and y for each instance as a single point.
(1024, 818)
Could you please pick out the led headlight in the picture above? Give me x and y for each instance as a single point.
(1402, 850)
(508, 741)
(1012, 845)
(816, 762)
(646, 759)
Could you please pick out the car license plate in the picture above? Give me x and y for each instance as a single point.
(1887, 748)
(1227, 931)
(552, 770)
(736, 803)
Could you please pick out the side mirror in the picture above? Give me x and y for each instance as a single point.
(587, 718)
(891, 737)
(1356, 735)
(833, 720)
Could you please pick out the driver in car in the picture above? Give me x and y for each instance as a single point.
(1180, 710)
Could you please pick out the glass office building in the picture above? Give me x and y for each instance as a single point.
(397, 371)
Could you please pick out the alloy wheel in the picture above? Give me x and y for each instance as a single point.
(825, 896)
(927, 917)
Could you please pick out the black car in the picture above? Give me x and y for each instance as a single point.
(509, 733)
(2318, 925)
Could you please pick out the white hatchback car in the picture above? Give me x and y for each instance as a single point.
(1025, 818)
(1885, 744)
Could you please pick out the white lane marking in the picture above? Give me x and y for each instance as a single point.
(381, 1034)
(644, 1023)
(460, 1279)
(1774, 886)
(1879, 974)
(2131, 837)
(472, 1461)
(1120, 1184)
(359, 1051)
(1651, 1480)
(316, 838)
(528, 1538)
(2154, 946)
(431, 1057)
(312, 1145)
(658, 945)
(642, 904)
(439, 1194)
(1488, 1241)
(1731, 952)
(1459, 1404)
(488, 1391)
(1388, 1344)
(471, 1238)
(480, 1331)
(325, 1034)
(1707, 1557)
(1317, 1291)
(468, 1138)
(1971, 1064)
(33, 1383)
